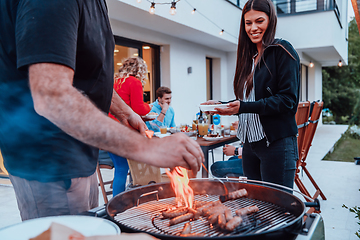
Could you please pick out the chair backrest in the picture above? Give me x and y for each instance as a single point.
(143, 174)
(104, 162)
(302, 118)
(315, 111)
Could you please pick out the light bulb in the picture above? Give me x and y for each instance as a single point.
(193, 11)
(340, 63)
(221, 32)
(311, 64)
(173, 8)
(152, 8)
(139, 1)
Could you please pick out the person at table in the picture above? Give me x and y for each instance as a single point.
(266, 86)
(129, 84)
(56, 89)
(161, 106)
(233, 166)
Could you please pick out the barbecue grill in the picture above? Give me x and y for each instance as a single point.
(281, 214)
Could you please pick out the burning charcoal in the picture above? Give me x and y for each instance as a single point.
(233, 223)
(186, 230)
(234, 195)
(193, 235)
(181, 218)
(175, 212)
(246, 210)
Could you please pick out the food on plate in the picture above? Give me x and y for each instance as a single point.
(175, 212)
(152, 114)
(246, 210)
(233, 223)
(234, 195)
(186, 230)
(213, 135)
(180, 219)
(149, 133)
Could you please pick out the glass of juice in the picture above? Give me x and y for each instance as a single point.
(203, 129)
(163, 130)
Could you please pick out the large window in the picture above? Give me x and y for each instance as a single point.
(126, 48)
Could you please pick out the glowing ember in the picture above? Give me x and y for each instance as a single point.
(180, 183)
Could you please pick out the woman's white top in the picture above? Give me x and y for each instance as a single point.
(249, 123)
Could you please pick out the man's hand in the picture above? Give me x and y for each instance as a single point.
(229, 150)
(164, 106)
(232, 109)
(134, 120)
(175, 150)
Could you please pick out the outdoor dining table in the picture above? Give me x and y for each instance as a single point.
(206, 146)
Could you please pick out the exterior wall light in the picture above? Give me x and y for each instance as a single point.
(221, 32)
(311, 64)
(138, 1)
(340, 63)
(193, 11)
(152, 8)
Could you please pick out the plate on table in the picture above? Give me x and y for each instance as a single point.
(159, 135)
(150, 116)
(232, 132)
(212, 138)
(211, 108)
(87, 226)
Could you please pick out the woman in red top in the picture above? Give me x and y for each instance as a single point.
(129, 85)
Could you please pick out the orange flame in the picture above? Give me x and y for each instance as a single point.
(180, 183)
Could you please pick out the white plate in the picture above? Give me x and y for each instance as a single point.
(87, 226)
(147, 116)
(213, 138)
(159, 135)
(232, 132)
(211, 108)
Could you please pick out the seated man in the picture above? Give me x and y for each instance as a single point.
(162, 107)
(233, 166)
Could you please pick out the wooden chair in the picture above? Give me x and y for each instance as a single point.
(105, 162)
(144, 174)
(310, 129)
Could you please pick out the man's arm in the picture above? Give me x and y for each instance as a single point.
(57, 100)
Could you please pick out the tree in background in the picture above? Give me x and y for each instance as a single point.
(341, 86)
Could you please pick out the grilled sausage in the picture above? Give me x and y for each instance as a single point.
(234, 195)
(233, 223)
(213, 218)
(175, 212)
(208, 205)
(214, 209)
(246, 210)
(228, 215)
(196, 213)
(186, 230)
(198, 204)
(180, 219)
(221, 220)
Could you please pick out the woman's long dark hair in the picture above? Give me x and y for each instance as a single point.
(247, 49)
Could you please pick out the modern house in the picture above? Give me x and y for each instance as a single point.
(194, 51)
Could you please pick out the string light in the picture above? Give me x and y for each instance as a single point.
(311, 64)
(173, 8)
(340, 63)
(193, 11)
(152, 8)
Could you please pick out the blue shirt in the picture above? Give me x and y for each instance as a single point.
(168, 119)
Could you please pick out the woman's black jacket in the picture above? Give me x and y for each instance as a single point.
(277, 82)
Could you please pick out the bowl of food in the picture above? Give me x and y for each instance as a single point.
(211, 108)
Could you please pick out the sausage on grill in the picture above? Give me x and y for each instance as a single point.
(175, 212)
(186, 230)
(228, 215)
(233, 223)
(221, 220)
(182, 218)
(196, 213)
(214, 209)
(234, 195)
(208, 205)
(247, 210)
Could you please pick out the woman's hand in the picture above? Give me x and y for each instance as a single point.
(232, 109)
